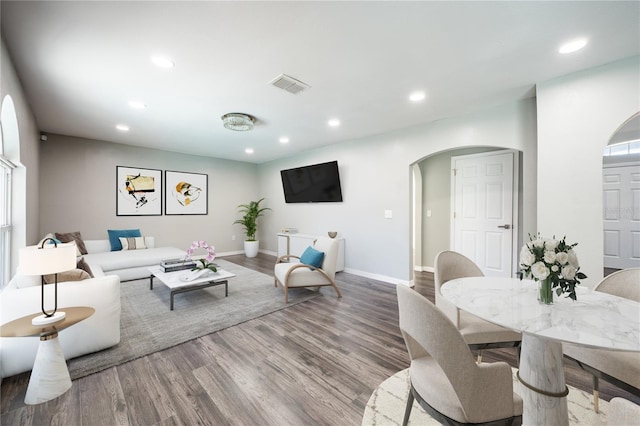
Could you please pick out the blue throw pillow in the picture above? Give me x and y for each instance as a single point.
(312, 257)
(115, 234)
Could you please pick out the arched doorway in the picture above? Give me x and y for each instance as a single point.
(431, 210)
(621, 197)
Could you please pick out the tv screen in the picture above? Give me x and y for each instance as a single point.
(318, 183)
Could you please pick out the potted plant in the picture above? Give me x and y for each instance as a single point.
(251, 212)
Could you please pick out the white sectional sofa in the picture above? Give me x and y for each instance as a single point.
(128, 264)
(21, 297)
(100, 331)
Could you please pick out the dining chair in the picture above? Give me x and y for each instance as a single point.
(445, 379)
(316, 267)
(619, 368)
(478, 333)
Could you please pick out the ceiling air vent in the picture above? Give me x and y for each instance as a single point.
(289, 84)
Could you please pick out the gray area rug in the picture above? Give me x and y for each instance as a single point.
(147, 325)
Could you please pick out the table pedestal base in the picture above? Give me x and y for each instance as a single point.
(50, 375)
(542, 386)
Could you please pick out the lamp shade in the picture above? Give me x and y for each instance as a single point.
(50, 259)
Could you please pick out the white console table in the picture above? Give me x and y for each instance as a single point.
(295, 244)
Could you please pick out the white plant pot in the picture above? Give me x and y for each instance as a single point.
(251, 248)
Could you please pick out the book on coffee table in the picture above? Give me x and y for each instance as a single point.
(177, 265)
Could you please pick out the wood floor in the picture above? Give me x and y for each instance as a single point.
(315, 363)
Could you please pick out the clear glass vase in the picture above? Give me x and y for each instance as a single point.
(545, 292)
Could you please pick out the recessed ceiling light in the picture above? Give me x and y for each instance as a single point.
(122, 127)
(162, 62)
(334, 122)
(417, 96)
(137, 104)
(573, 46)
(284, 139)
(249, 150)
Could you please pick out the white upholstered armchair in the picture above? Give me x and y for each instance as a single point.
(298, 274)
(445, 380)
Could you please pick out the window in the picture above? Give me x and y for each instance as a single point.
(626, 148)
(5, 220)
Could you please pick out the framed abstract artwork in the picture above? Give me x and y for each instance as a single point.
(138, 191)
(185, 193)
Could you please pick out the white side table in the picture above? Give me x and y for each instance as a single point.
(50, 375)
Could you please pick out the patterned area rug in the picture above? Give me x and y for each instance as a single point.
(147, 325)
(387, 403)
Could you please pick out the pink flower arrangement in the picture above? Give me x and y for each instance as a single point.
(207, 262)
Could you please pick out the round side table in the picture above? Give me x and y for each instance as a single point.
(50, 375)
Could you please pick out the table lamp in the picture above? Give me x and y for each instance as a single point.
(50, 257)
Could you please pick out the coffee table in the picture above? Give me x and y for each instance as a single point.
(176, 281)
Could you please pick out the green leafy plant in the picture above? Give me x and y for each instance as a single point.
(251, 212)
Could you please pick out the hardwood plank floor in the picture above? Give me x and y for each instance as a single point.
(315, 363)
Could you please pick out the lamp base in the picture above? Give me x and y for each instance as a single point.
(44, 320)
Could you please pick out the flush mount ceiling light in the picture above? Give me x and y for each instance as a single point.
(137, 105)
(572, 46)
(162, 62)
(417, 96)
(238, 122)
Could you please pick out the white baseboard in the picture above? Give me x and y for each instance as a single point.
(233, 253)
(229, 253)
(383, 278)
(424, 268)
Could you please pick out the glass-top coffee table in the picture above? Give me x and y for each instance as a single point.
(179, 282)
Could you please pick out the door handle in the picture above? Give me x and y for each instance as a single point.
(507, 226)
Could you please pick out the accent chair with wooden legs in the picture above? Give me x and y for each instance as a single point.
(478, 333)
(445, 379)
(297, 274)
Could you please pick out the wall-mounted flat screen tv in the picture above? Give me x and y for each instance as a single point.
(318, 183)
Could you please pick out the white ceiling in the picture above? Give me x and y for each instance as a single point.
(81, 62)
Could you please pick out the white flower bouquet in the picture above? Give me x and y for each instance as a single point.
(554, 263)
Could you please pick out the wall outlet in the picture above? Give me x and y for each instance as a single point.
(388, 214)
(233, 238)
(428, 213)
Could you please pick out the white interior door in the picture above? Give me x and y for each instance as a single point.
(483, 210)
(621, 203)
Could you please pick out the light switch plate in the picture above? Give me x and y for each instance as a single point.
(388, 214)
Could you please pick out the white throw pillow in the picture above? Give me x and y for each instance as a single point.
(132, 243)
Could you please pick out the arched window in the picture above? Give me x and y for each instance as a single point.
(8, 134)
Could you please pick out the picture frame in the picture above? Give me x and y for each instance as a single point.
(186, 193)
(138, 191)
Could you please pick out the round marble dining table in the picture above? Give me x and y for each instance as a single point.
(595, 319)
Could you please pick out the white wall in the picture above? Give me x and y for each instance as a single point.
(25, 208)
(376, 176)
(78, 193)
(577, 115)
